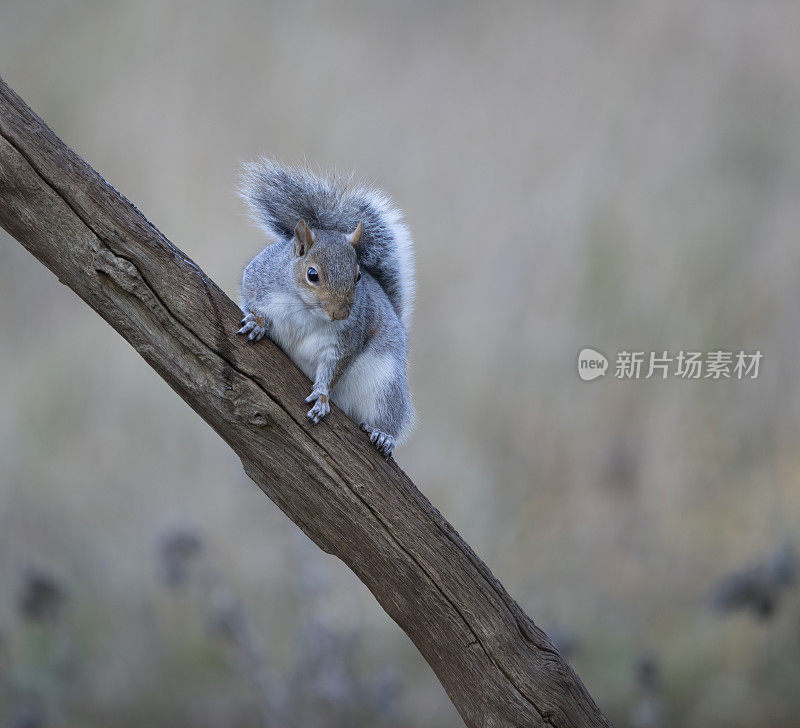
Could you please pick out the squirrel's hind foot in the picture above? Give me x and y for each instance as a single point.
(382, 440)
(255, 327)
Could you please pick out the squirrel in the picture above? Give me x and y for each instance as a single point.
(334, 288)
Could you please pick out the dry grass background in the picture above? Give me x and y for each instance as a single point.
(619, 175)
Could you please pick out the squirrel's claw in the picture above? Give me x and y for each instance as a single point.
(320, 408)
(382, 440)
(254, 327)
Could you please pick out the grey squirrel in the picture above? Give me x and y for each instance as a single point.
(334, 288)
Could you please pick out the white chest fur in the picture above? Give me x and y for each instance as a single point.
(302, 335)
(307, 338)
(360, 389)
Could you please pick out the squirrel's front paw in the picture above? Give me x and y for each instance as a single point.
(254, 327)
(320, 409)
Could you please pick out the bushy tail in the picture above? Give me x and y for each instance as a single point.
(279, 196)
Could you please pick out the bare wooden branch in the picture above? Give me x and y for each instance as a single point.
(498, 668)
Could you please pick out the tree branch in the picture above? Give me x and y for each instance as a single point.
(498, 668)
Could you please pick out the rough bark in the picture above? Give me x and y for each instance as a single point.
(498, 668)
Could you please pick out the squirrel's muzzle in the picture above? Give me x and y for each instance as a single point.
(338, 313)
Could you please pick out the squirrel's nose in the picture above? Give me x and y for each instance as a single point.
(339, 313)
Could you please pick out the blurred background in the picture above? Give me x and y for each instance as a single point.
(616, 175)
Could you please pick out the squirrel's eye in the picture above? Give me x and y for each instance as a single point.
(358, 277)
(312, 275)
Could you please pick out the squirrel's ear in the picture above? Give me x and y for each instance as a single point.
(303, 238)
(355, 236)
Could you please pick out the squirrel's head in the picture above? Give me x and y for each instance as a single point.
(326, 269)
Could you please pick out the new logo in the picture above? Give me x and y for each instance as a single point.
(591, 364)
